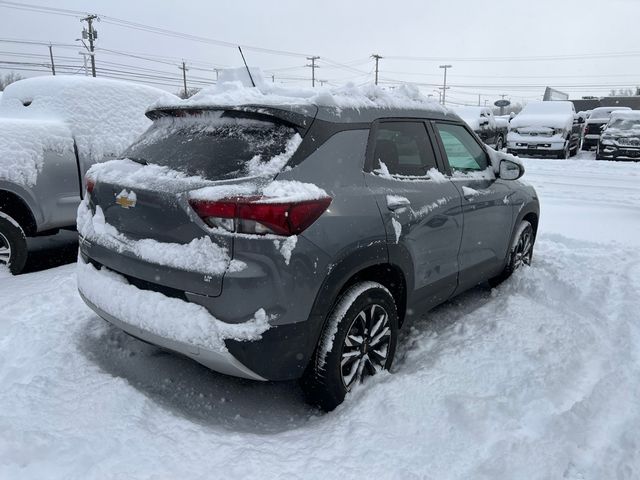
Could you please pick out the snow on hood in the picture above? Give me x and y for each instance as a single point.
(105, 116)
(556, 114)
(233, 89)
(23, 144)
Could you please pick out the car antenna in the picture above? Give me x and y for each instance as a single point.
(246, 66)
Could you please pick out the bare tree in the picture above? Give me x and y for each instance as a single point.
(8, 79)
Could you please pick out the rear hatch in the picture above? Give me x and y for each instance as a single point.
(146, 198)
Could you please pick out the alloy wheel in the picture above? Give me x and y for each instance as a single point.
(366, 345)
(5, 250)
(524, 248)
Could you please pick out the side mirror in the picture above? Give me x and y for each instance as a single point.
(510, 170)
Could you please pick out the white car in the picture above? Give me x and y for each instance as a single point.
(545, 128)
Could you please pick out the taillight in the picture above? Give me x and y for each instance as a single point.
(89, 183)
(260, 216)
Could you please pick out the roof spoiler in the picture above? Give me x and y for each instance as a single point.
(299, 116)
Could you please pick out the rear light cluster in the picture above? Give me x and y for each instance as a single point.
(89, 183)
(259, 216)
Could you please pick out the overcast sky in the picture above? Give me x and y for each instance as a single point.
(345, 33)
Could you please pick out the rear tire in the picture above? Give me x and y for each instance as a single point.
(358, 340)
(499, 144)
(520, 253)
(13, 244)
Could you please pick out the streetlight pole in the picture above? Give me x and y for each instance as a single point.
(444, 87)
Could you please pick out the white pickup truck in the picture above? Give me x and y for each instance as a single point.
(52, 129)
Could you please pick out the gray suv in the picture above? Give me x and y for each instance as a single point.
(293, 241)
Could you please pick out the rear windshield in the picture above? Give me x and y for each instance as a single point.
(216, 147)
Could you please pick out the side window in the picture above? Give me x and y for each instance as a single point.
(403, 148)
(463, 152)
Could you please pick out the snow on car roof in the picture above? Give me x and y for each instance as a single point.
(105, 116)
(548, 107)
(605, 112)
(627, 114)
(234, 88)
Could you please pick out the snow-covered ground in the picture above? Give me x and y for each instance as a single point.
(537, 379)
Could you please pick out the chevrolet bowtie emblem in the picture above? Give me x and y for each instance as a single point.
(126, 199)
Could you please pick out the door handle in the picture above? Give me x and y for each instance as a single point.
(395, 202)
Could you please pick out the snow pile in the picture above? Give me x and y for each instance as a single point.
(200, 255)
(105, 116)
(557, 114)
(164, 316)
(23, 144)
(236, 92)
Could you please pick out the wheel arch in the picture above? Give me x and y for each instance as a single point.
(18, 208)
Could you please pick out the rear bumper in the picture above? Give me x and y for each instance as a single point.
(222, 362)
(285, 292)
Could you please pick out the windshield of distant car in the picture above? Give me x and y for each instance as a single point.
(624, 124)
(210, 145)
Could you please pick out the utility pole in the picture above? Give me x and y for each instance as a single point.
(377, 58)
(91, 34)
(313, 69)
(53, 65)
(184, 78)
(217, 70)
(478, 99)
(273, 78)
(444, 87)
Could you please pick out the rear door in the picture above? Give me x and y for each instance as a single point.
(487, 212)
(419, 206)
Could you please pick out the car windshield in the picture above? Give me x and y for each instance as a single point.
(624, 124)
(212, 145)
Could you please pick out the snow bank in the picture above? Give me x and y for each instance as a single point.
(23, 144)
(164, 316)
(200, 255)
(236, 92)
(105, 116)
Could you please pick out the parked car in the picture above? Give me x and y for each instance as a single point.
(595, 123)
(303, 248)
(52, 129)
(545, 128)
(620, 138)
(491, 130)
